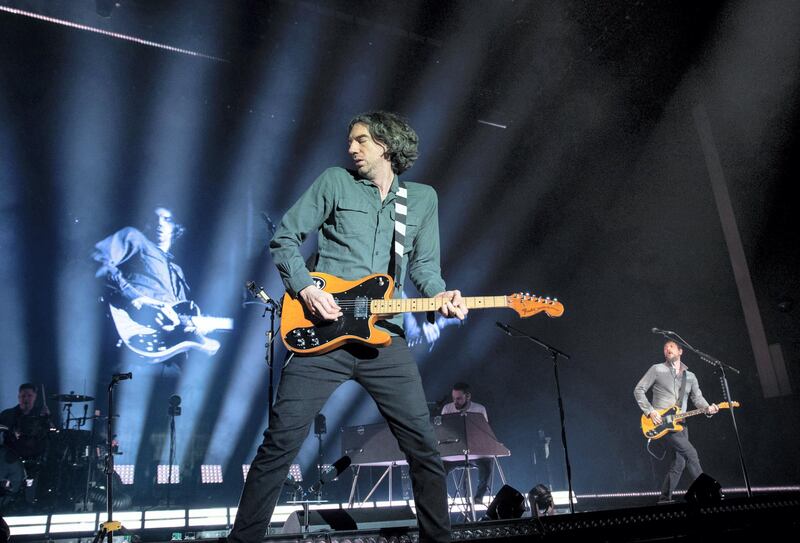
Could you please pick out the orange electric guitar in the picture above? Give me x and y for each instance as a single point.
(670, 418)
(367, 300)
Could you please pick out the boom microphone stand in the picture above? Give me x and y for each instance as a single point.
(554, 353)
(726, 393)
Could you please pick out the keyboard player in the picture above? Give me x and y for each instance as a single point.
(462, 403)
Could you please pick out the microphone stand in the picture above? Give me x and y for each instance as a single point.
(554, 353)
(726, 395)
(173, 411)
(110, 450)
(272, 307)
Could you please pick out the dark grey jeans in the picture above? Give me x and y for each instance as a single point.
(391, 377)
(685, 457)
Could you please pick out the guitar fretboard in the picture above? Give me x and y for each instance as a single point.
(723, 405)
(413, 305)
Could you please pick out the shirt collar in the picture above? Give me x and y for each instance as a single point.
(392, 190)
(684, 367)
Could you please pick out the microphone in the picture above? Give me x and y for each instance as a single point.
(504, 328)
(662, 332)
(259, 292)
(331, 473)
(122, 376)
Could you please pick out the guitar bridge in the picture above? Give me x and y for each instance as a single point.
(361, 307)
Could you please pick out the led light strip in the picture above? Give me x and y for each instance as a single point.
(110, 34)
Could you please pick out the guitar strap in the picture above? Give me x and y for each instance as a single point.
(682, 392)
(400, 216)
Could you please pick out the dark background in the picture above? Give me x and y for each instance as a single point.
(595, 190)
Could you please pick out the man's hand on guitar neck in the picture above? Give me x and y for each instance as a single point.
(320, 303)
(453, 304)
(711, 409)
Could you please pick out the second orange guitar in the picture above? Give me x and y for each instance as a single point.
(366, 300)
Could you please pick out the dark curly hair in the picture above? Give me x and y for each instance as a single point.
(392, 131)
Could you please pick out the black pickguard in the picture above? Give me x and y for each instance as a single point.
(354, 322)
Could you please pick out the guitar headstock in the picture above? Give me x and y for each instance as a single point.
(727, 405)
(526, 304)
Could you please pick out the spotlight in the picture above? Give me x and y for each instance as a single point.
(163, 474)
(541, 501)
(705, 490)
(296, 473)
(509, 503)
(210, 474)
(126, 472)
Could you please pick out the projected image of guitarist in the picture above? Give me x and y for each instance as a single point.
(149, 302)
(672, 384)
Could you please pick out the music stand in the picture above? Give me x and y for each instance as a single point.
(371, 445)
(468, 436)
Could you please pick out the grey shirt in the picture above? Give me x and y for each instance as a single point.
(666, 384)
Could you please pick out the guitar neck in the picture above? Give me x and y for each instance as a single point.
(416, 305)
(687, 414)
(723, 405)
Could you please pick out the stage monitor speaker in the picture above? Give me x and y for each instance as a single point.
(325, 520)
(509, 503)
(705, 490)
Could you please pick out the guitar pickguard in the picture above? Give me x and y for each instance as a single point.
(355, 323)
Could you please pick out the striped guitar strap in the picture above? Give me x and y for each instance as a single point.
(400, 217)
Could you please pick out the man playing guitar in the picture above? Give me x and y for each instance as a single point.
(672, 383)
(354, 214)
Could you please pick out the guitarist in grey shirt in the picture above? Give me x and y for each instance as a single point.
(666, 381)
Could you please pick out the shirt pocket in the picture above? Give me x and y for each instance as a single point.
(412, 227)
(353, 218)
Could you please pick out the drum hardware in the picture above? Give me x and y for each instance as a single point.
(71, 398)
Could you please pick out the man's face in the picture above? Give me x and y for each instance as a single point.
(367, 153)
(461, 398)
(27, 398)
(165, 224)
(672, 352)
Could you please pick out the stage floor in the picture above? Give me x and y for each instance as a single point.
(736, 517)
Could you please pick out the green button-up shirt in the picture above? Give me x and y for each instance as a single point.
(355, 233)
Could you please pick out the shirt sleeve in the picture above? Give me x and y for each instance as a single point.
(305, 216)
(424, 263)
(641, 388)
(113, 251)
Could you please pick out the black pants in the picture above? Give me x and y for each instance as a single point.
(685, 457)
(391, 377)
